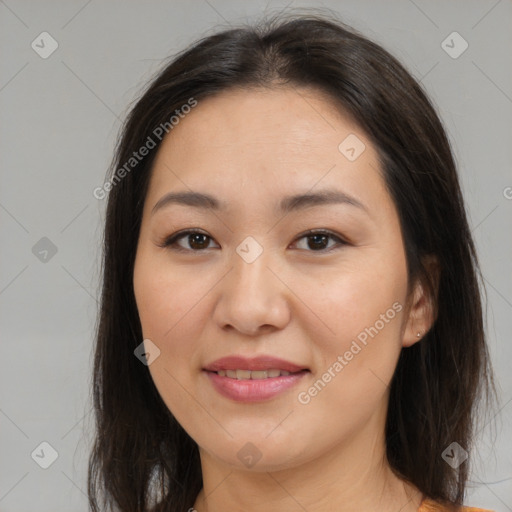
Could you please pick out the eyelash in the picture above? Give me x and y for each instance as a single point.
(171, 241)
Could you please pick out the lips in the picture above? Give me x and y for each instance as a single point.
(255, 379)
(256, 364)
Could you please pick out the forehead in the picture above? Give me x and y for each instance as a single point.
(263, 116)
(272, 140)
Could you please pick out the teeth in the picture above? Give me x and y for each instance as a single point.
(243, 374)
(262, 374)
(254, 375)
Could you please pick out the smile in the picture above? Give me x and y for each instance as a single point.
(253, 386)
(255, 374)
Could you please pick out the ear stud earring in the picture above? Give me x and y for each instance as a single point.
(418, 335)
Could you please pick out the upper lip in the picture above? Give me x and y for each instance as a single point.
(255, 363)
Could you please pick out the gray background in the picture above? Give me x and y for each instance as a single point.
(60, 117)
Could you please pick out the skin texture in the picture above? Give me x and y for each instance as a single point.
(251, 148)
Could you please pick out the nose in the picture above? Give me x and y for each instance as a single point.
(252, 299)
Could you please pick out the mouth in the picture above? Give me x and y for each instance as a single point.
(255, 374)
(253, 386)
(253, 380)
(260, 367)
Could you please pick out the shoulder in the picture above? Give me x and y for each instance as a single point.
(433, 506)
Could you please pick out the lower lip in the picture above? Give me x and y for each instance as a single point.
(254, 390)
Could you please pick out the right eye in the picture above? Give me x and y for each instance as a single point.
(197, 241)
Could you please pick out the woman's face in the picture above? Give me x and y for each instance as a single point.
(252, 283)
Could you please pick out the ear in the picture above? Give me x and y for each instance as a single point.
(423, 304)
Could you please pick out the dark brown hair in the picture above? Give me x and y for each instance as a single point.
(142, 458)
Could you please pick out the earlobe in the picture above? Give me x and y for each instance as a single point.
(423, 311)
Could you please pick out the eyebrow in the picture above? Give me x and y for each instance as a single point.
(287, 205)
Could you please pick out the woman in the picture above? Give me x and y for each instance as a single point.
(290, 317)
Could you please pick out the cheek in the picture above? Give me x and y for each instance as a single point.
(169, 303)
(165, 299)
(363, 311)
(357, 299)
(349, 388)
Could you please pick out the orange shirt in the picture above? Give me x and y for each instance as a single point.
(432, 506)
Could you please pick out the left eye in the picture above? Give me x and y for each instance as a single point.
(319, 240)
(316, 241)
